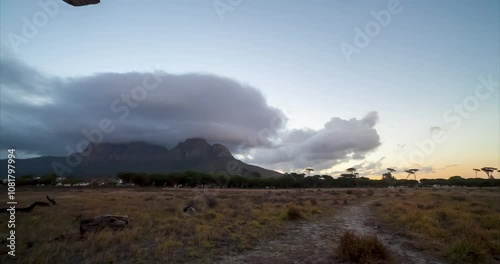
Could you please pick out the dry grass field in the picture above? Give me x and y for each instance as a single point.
(461, 226)
(159, 230)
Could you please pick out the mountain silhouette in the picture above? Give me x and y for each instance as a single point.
(108, 159)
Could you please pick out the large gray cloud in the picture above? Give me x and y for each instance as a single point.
(340, 140)
(44, 115)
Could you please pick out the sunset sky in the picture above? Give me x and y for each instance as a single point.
(284, 84)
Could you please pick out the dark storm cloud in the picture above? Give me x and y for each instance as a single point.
(42, 114)
(339, 141)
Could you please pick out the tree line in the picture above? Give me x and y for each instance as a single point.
(193, 179)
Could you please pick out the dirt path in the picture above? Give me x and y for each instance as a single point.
(313, 242)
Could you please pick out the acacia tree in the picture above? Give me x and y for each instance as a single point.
(489, 171)
(354, 174)
(477, 170)
(411, 172)
(308, 169)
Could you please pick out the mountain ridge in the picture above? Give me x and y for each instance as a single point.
(108, 159)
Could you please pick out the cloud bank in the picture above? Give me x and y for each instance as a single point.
(43, 115)
(340, 140)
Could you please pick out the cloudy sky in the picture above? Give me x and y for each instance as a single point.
(284, 84)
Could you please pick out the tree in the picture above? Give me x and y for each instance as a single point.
(411, 172)
(477, 170)
(456, 180)
(356, 176)
(351, 170)
(489, 171)
(388, 176)
(308, 169)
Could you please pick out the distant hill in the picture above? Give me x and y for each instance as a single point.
(108, 159)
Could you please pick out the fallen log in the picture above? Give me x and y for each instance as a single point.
(98, 223)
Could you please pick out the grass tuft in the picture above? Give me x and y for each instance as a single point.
(363, 249)
(294, 213)
(466, 251)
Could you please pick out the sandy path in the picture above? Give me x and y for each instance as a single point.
(313, 242)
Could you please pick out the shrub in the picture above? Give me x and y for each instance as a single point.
(294, 213)
(363, 249)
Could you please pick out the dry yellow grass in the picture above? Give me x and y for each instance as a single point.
(363, 249)
(463, 225)
(159, 230)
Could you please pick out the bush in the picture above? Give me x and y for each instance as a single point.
(294, 213)
(363, 249)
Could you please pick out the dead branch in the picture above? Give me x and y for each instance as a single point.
(26, 209)
(51, 200)
(29, 208)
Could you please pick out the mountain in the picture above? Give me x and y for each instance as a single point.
(108, 159)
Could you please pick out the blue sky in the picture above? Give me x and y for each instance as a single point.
(425, 60)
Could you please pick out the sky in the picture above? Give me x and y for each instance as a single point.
(284, 84)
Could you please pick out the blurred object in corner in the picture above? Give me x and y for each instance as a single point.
(82, 2)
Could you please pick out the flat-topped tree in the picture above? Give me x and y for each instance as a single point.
(354, 174)
(411, 172)
(477, 170)
(489, 171)
(308, 169)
